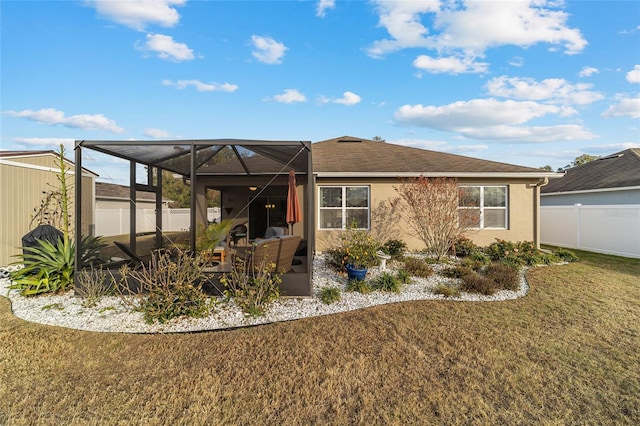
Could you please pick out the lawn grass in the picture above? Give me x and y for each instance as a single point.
(567, 353)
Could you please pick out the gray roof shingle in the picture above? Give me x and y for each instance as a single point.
(618, 170)
(349, 154)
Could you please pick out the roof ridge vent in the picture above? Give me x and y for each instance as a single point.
(609, 157)
(349, 140)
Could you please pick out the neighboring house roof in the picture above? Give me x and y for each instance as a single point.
(6, 157)
(349, 156)
(619, 170)
(120, 192)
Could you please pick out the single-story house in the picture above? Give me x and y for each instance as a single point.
(114, 196)
(595, 206)
(610, 180)
(25, 177)
(337, 179)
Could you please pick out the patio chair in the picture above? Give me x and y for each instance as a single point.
(278, 250)
(239, 232)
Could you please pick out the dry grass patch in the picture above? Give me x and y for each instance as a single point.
(565, 353)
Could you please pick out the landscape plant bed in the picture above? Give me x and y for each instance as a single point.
(564, 354)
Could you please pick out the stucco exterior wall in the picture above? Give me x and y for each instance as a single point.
(521, 212)
(22, 191)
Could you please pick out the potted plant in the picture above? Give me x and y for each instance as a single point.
(359, 249)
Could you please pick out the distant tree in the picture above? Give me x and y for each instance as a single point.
(584, 159)
(180, 194)
(378, 139)
(547, 168)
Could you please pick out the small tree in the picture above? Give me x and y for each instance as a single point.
(429, 207)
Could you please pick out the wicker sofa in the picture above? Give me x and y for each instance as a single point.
(279, 250)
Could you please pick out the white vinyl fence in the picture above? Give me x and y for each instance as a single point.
(116, 221)
(611, 229)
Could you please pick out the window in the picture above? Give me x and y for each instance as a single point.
(484, 206)
(343, 206)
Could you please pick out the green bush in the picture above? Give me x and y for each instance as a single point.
(447, 290)
(252, 287)
(329, 295)
(168, 288)
(565, 255)
(403, 276)
(417, 267)
(394, 248)
(457, 271)
(47, 268)
(505, 277)
(464, 247)
(500, 249)
(387, 282)
(361, 286)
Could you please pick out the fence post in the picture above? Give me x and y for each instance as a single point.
(577, 207)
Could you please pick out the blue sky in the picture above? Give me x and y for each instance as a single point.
(525, 82)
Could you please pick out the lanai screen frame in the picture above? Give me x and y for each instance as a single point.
(266, 148)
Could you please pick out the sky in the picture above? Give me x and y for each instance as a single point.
(532, 83)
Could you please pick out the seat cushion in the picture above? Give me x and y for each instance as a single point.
(273, 231)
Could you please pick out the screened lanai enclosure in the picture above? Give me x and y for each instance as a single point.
(251, 180)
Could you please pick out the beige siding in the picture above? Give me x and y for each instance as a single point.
(521, 209)
(22, 191)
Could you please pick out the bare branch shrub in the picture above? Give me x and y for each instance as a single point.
(429, 207)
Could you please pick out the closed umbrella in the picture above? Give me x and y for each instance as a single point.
(293, 205)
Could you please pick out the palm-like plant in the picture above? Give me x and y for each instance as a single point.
(47, 268)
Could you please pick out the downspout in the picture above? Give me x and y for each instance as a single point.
(536, 209)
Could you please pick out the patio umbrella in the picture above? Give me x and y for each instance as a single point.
(293, 205)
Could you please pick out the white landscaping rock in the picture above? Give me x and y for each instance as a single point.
(110, 315)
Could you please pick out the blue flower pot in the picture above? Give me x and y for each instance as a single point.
(355, 274)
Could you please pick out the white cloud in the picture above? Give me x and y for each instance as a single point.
(323, 6)
(494, 120)
(553, 90)
(348, 98)
(268, 50)
(588, 71)
(52, 116)
(611, 148)
(468, 28)
(290, 96)
(166, 48)
(633, 76)
(137, 14)
(156, 133)
(626, 107)
(451, 65)
(200, 86)
(516, 61)
(48, 143)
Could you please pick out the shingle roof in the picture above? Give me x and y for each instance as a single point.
(354, 155)
(618, 170)
(24, 153)
(111, 190)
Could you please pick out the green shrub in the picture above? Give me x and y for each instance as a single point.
(403, 276)
(168, 288)
(47, 268)
(252, 287)
(329, 295)
(513, 261)
(500, 249)
(387, 282)
(505, 277)
(361, 286)
(417, 267)
(394, 248)
(565, 255)
(457, 271)
(447, 290)
(464, 247)
(475, 283)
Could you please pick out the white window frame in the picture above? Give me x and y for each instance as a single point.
(344, 207)
(483, 208)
